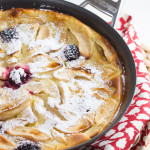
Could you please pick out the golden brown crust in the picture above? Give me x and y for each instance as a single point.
(77, 138)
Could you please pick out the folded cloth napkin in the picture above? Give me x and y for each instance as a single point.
(129, 133)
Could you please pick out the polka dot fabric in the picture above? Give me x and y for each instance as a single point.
(133, 129)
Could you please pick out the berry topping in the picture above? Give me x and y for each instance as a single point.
(1, 126)
(17, 76)
(87, 110)
(8, 34)
(71, 52)
(26, 145)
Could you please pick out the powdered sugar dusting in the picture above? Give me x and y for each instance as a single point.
(27, 114)
(77, 62)
(12, 60)
(27, 33)
(39, 64)
(77, 100)
(53, 102)
(49, 117)
(79, 104)
(16, 75)
(10, 124)
(2, 55)
(50, 43)
(46, 45)
(12, 47)
(14, 94)
(97, 71)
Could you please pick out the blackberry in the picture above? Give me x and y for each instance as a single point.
(8, 34)
(13, 84)
(26, 145)
(71, 52)
(87, 110)
(25, 79)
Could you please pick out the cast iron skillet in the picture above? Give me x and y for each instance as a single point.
(104, 29)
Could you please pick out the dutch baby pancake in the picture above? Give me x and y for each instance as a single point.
(60, 81)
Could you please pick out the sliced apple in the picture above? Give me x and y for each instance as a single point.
(29, 133)
(84, 41)
(43, 33)
(70, 73)
(78, 125)
(42, 63)
(13, 102)
(50, 87)
(5, 144)
(60, 137)
(34, 87)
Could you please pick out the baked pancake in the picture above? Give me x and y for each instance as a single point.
(60, 81)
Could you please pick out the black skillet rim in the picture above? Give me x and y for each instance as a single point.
(100, 26)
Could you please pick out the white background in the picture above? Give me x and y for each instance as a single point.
(140, 11)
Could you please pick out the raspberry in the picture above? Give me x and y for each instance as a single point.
(17, 76)
(8, 34)
(71, 52)
(26, 145)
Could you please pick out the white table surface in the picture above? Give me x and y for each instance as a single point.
(140, 11)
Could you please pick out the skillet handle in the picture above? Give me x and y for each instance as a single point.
(108, 7)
